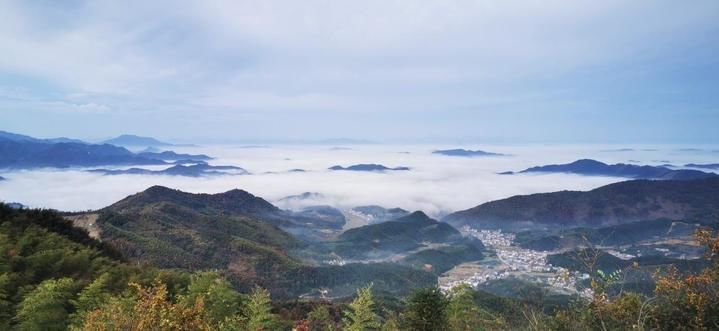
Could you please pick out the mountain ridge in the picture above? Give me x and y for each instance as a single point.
(589, 167)
(610, 204)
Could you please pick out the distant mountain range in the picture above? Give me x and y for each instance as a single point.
(133, 140)
(630, 150)
(346, 141)
(32, 154)
(636, 200)
(595, 168)
(195, 170)
(465, 153)
(368, 167)
(712, 166)
(4, 135)
(172, 156)
(24, 152)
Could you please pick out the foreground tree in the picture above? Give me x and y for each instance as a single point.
(427, 310)
(464, 314)
(148, 309)
(46, 307)
(223, 305)
(691, 301)
(259, 315)
(361, 315)
(319, 319)
(92, 297)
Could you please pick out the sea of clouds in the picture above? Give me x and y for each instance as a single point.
(435, 184)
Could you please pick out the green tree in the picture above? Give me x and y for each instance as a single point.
(221, 302)
(427, 310)
(150, 308)
(361, 315)
(259, 306)
(320, 319)
(464, 314)
(90, 298)
(391, 322)
(46, 307)
(6, 304)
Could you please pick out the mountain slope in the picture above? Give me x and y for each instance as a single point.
(233, 201)
(174, 229)
(377, 214)
(416, 227)
(694, 200)
(237, 233)
(398, 236)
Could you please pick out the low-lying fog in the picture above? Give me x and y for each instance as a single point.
(435, 184)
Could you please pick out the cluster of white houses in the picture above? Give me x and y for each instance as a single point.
(515, 261)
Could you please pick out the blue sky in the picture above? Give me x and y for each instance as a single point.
(393, 71)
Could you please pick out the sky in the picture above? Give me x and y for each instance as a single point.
(388, 70)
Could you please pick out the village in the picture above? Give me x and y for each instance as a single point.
(511, 261)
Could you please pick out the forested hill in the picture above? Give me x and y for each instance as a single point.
(240, 235)
(174, 229)
(45, 262)
(693, 200)
(233, 201)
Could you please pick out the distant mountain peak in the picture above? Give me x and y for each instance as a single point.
(415, 216)
(159, 189)
(234, 201)
(235, 192)
(465, 152)
(596, 168)
(134, 140)
(367, 167)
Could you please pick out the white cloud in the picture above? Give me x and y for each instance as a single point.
(436, 184)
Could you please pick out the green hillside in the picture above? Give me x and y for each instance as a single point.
(614, 235)
(400, 235)
(636, 200)
(235, 233)
(45, 262)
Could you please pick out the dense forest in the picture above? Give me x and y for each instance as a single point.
(56, 277)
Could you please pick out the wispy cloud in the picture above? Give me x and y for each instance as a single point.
(432, 60)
